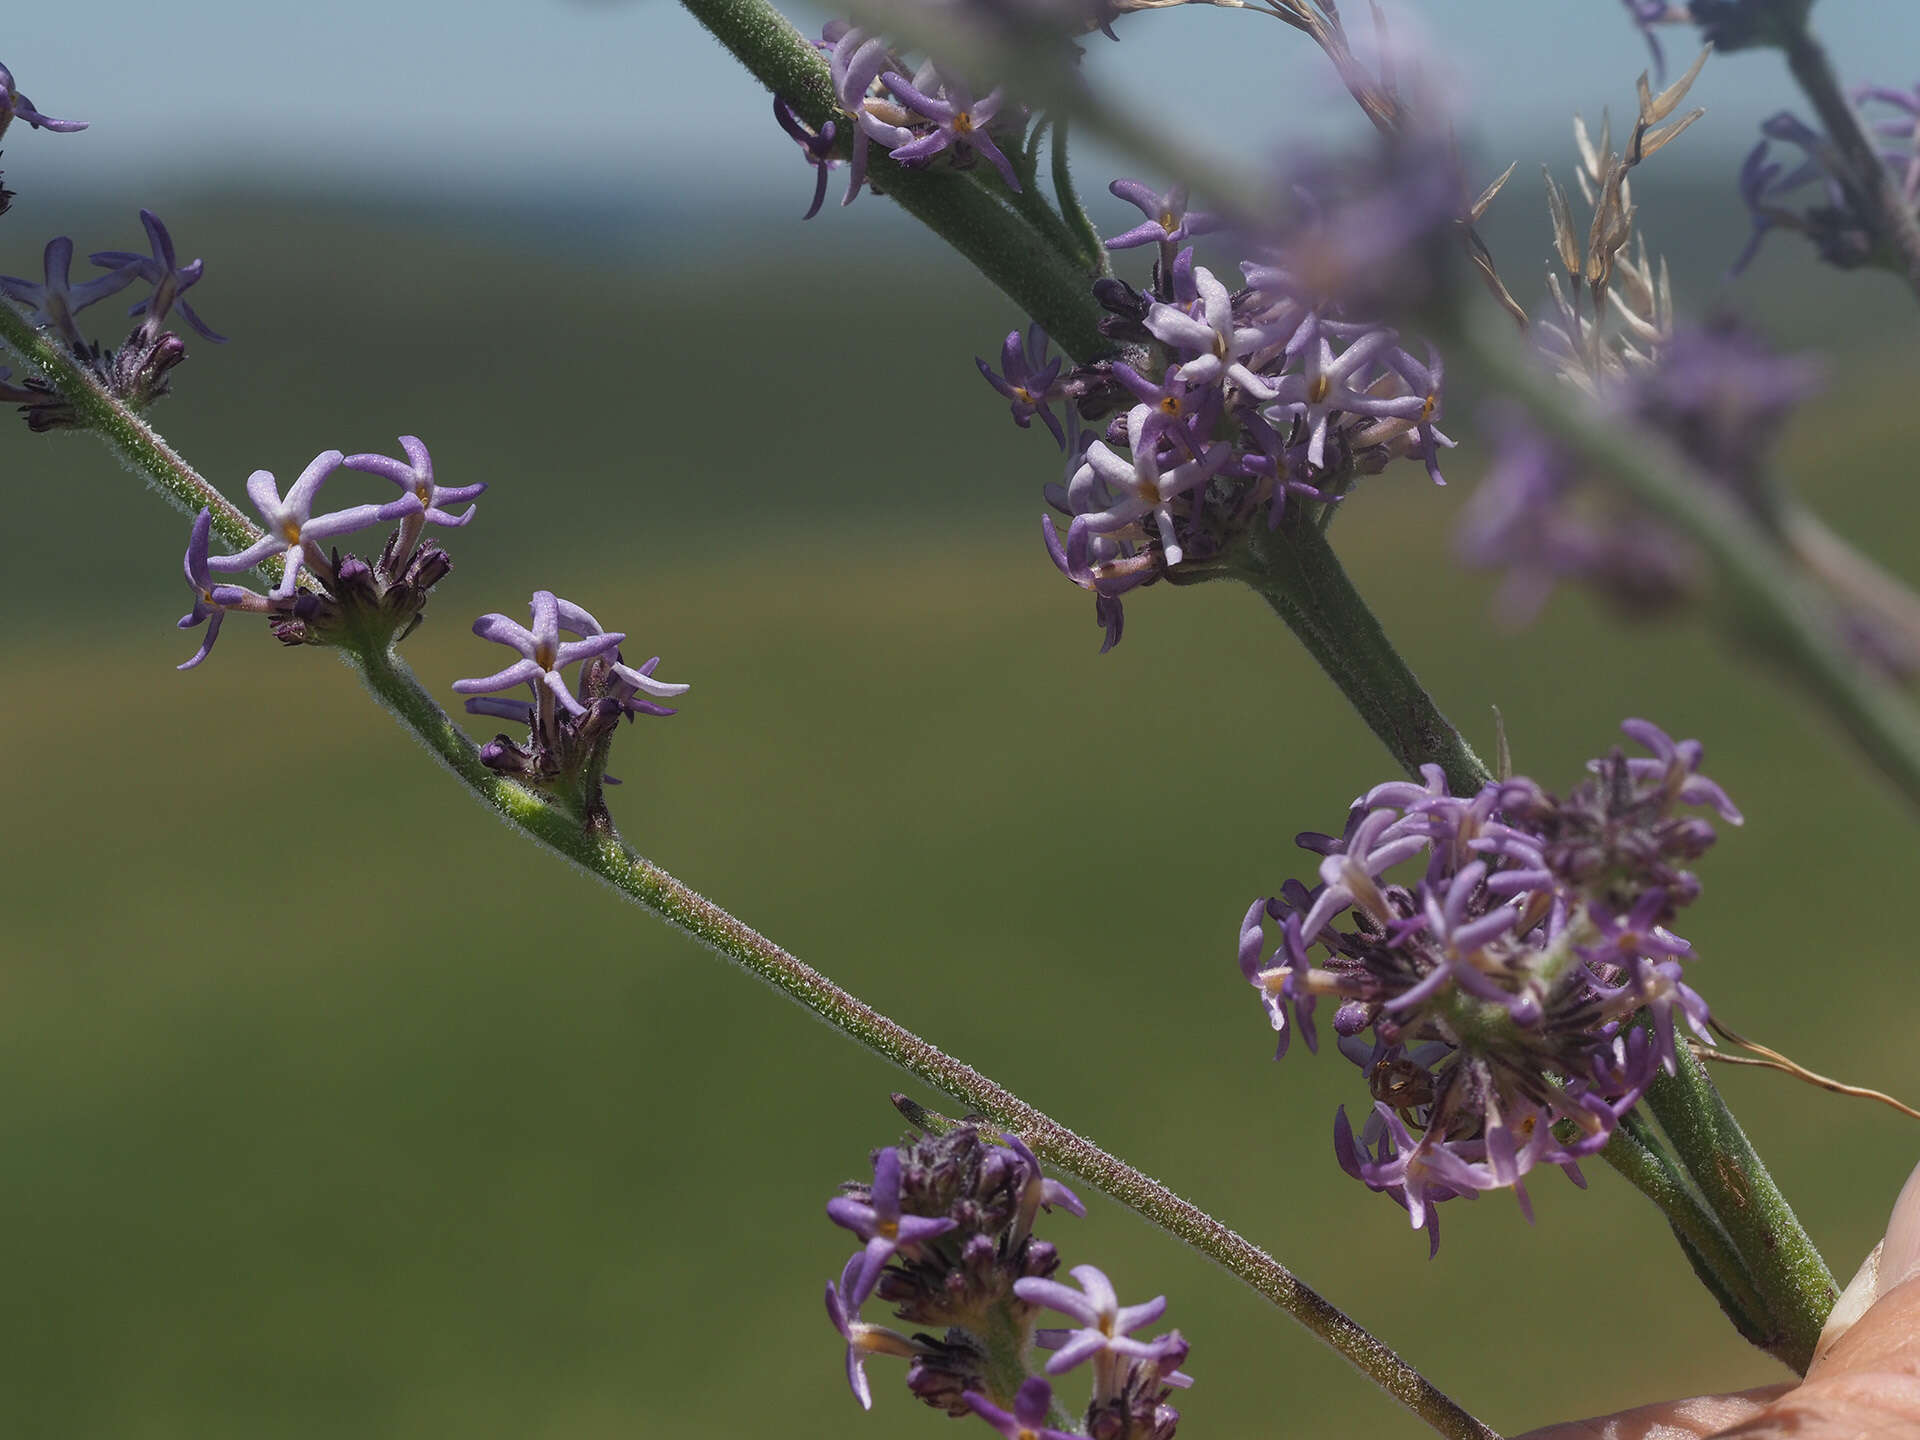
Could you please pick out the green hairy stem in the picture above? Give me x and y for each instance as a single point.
(1789, 1272)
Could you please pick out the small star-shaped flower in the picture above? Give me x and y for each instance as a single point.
(880, 1223)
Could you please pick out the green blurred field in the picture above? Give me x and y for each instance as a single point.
(329, 1108)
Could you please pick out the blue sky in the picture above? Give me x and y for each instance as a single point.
(628, 96)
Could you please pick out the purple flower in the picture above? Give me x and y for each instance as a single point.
(14, 105)
(294, 533)
(1106, 1326)
(56, 301)
(1038, 1191)
(1541, 917)
(161, 269)
(1208, 333)
(1337, 386)
(1675, 768)
(960, 122)
(1140, 488)
(1027, 380)
(817, 149)
(1028, 1419)
(629, 680)
(880, 1223)
(415, 475)
(1168, 221)
(1375, 845)
(855, 62)
(543, 656)
(210, 601)
(1417, 1174)
(862, 1339)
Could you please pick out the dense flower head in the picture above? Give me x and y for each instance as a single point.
(1257, 399)
(945, 1226)
(1509, 999)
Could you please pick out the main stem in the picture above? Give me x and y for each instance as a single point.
(1723, 1164)
(603, 854)
(1296, 571)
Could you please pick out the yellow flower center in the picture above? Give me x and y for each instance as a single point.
(1169, 222)
(290, 531)
(1317, 392)
(963, 123)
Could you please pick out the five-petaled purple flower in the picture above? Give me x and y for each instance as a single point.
(881, 1224)
(543, 655)
(415, 475)
(960, 122)
(161, 269)
(1106, 1326)
(1026, 380)
(1168, 220)
(294, 532)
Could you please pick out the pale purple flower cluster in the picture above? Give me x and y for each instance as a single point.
(1510, 998)
(1718, 394)
(1252, 398)
(568, 733)
(138, 371)
(946, 1232)
(915, 114)
(389, 596)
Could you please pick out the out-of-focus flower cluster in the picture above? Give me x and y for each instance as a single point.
(946, 1232)
(1237, 401)
(1717, 394)
(139, 371)
(343, 597)
(1511, 998)
(1813, 196)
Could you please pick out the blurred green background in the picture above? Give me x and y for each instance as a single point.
(328, 1107)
